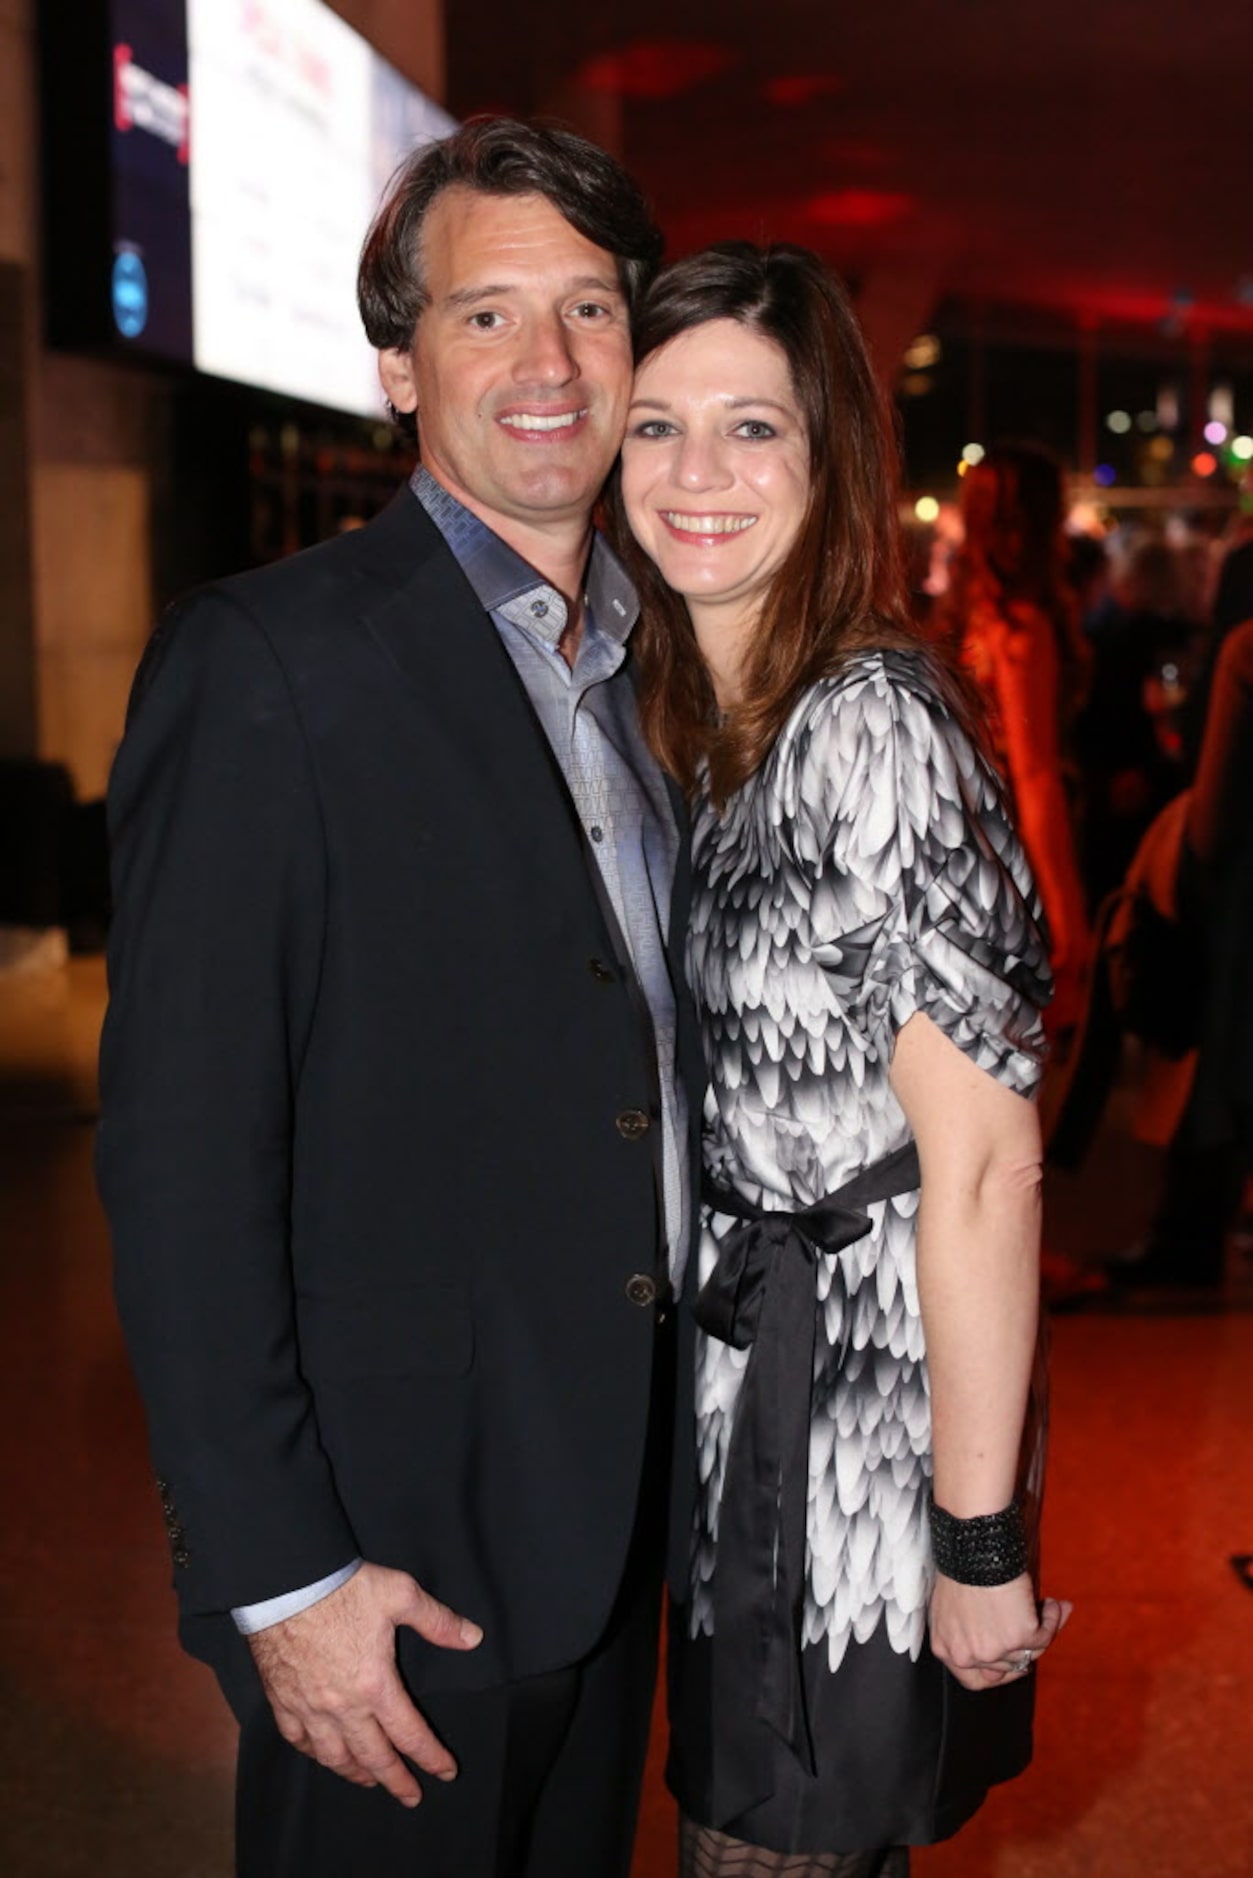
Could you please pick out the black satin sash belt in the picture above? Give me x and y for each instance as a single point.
(761, 1296)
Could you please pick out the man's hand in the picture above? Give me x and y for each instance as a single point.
(331, 1678)
(981, 1633)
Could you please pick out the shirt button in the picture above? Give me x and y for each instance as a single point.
(641, 1289)
(596, 832)
(631, 1124)
(602, 973)
(539, 609)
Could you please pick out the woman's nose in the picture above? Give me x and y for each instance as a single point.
(701, 464)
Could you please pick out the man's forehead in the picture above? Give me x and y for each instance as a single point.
(472, 241)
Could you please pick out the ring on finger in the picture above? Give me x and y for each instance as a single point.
(1021, 1663)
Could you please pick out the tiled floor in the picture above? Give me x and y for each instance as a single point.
(115, 1750)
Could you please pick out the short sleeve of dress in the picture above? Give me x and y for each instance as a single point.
(920, 813)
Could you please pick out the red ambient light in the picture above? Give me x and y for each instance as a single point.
(859, 208)
(655, 68)
(802, 88)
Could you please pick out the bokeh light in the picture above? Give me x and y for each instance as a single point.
(924, 351)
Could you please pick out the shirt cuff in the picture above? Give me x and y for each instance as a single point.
(249, 1618)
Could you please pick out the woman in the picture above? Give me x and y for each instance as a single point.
(869, 974)
(1011, 612)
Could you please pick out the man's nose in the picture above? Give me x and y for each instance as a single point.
(546, 356)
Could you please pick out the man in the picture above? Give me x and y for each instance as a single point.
(393, 1148)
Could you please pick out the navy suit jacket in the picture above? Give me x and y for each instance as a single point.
(374, 1218)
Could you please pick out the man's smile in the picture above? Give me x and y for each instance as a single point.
(540, 426)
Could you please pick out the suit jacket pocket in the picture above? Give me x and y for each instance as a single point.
(390, 1330)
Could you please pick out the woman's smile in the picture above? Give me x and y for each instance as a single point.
(708, 530)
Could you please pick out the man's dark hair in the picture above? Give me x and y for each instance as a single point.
(498, 156)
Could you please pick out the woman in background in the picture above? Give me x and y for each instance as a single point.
(853, 1668)
(1011, 613)
(1128, 752)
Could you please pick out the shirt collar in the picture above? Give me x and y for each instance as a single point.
(504, 583)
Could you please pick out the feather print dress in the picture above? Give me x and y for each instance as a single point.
(866, 872)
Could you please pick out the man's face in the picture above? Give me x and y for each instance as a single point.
(520, 369)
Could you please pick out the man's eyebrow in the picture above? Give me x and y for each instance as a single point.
(470, 296)
(595, 283)
(497, 290)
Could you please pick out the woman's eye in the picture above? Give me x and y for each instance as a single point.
(653, 427)
(755, 429)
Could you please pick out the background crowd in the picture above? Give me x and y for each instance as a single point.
(1115, 671)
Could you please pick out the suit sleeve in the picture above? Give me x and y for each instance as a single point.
(219, 886)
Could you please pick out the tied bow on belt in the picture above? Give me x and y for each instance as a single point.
(760, 1296)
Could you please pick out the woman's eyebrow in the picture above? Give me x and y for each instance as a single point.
(729, 404)
(738, 404)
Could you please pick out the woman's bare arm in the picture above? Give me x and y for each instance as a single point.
(978, 1285)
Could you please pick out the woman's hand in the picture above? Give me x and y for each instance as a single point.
(981, 1632)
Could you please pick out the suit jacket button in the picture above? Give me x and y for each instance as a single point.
(631, 1124)
(641, 1289)
(602, 973)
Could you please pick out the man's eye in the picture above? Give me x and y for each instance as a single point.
(591, 310)
(484, 322)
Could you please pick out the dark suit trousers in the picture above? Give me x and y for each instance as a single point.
(550, 1766)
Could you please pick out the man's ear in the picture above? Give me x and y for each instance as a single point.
(397, 378)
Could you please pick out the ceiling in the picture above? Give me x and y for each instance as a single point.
(1088, 159)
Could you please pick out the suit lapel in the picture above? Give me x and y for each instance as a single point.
(433, 629)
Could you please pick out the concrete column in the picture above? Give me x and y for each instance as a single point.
(18, 719)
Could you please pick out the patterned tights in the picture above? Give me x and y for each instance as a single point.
(704, 1853)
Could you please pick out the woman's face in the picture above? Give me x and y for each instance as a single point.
(715, 465)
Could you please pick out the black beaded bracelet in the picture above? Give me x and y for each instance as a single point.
(990, 1549)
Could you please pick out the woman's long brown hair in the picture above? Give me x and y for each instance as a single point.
(841, 588)
(1013, 508)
